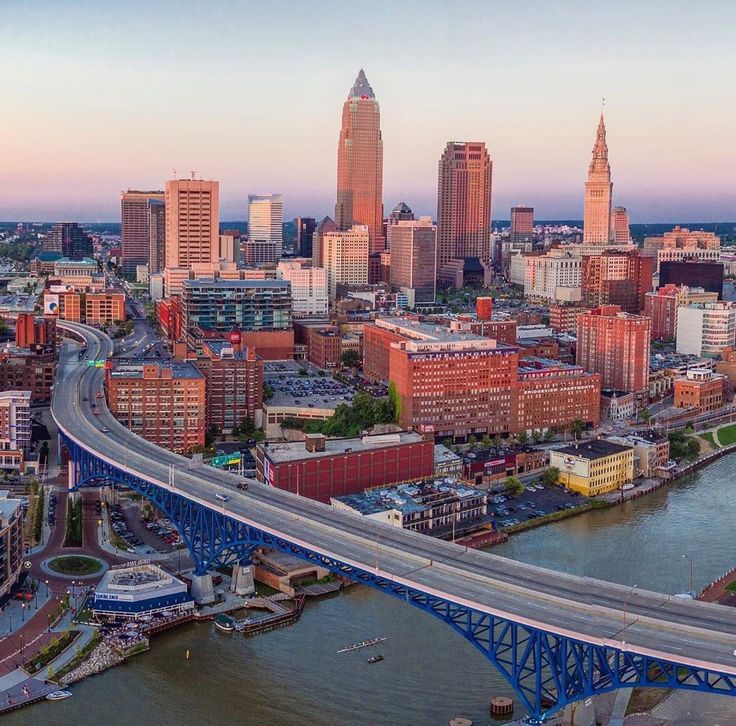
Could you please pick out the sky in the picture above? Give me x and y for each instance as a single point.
(98, 97)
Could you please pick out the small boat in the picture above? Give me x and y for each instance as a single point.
(362, 644)
(225, 623)
(58, 695)
(375, 658)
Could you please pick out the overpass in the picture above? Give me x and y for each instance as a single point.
(555, 637)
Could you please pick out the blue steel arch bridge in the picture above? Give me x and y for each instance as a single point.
(555, 638)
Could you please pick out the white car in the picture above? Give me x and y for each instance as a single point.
(222, 497)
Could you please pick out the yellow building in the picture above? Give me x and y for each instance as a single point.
(594, 467)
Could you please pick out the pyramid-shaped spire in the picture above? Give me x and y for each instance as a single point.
(599, 162)
(361, 88)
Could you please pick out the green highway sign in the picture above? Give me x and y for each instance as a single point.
(225, 460)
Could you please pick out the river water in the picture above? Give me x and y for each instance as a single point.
(430, 674)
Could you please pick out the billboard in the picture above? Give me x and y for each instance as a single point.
(50, 304)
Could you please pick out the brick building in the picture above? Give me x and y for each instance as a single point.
(35, 332)
(25, 370)
(662, 305)
(616, 345)
(321, 468)
(564, 318)
(617, 278)
(234, 383)
(165, 403)
(701, 390)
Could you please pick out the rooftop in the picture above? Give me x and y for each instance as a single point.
(296, 450)
(409, 498)
(133, 368)
(593, 449)
(428, 332)
(210, 283)
(8, 506)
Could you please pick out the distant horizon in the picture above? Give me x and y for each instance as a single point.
(95, 112)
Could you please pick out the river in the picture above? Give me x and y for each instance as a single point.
(294, 675)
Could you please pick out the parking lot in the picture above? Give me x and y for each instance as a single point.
(290, 387)
(535, 501)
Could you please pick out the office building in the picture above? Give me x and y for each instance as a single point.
(230, 251)
(346, 257)
(554, 277)
(22, 369)
(15, 428)
(662, 306)
(70, 240)
(304, 229)
(35, 332)
(156, 236)
(164, 402)
(11, 543)
(693, 273)
(598, 192)
(683, 244)
(265, 242)
(594, 467)
(616, 278)
(400, 213)
(700, 390)
(325, 226)
(616, 345)
(321, 468)
(360, 164)
(620, 221)
(464, 203)
(308, 286)
(192, 234)
(135, 239)
(705, 329)
(522, 225)
(413, 254)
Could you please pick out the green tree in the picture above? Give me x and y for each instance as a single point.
(395, 399)
(350, 358)
(645, 415)
(536, 436)
(447, 441)
(693, 448)
(267, 392)
(550, 475)
(577, 427)
(522, 438)
(549, 434)
(513, 486)
(486, 442)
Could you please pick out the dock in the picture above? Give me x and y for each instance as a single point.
(277, 614)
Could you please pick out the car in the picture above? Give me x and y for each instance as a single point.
(222, 497)
(105, 430)
(98, 394)
(96, 412)
(243, 485)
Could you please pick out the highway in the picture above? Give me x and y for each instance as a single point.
(636, 620)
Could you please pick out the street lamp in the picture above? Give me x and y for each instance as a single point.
(690, 571)
(47, 588)
(23, 611)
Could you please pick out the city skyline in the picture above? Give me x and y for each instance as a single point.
(108, 132)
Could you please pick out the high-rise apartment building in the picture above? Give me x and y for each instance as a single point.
(135, 237)
(15, 423)
(69, 239)
(621, 234)
(265, 227)
(192, 226)
(413, 253)
(156, 236)
(308, 286)
(598, 193)
(522, 225)
(616, 345)
(346, 257)
(464, 203)
(304, 228)
(360, 164)
(617, 278)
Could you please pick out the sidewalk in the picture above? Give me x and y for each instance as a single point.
(14, 616)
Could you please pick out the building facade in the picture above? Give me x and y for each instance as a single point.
(414, 247)
(346, 257)
(266, 227)
(705, 329)
(700, 390)
(360, 164)
(556, 276)
(662, 306)
(620, 221)
(308, 286)
(135, 240)
(304, 229)
(594, 467)
(617, 278)
(598, 193)
(522, 225)
(69, 239)
(15, 428)
(616, 345)
(11, 542)
(684, 244)
(464, 203)
(693, 273)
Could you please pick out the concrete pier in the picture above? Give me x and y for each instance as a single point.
(242, 582)
(203, 591)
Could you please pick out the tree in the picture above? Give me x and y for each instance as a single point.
(577, 427)
(693, 448)
(497, 441)
(522, 438)
(536, 436)
(267, 392)
(550, 475)
(472, 442)
(395, 399)
(350, 358)
(549, 435)
(486, 442)
(447, 442)
(513, 486)
(645, 415)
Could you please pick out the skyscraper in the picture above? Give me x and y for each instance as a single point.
(304, 235)
(360, 164)
(156, 236)
(318, 251)
(598, 191)
(265, 227)
(464, 203)
(522, 224)
(620, 221)
(345, 257)
(135, 234)
(401, 212)
(413, 252)
(69, 239)
(192, 222)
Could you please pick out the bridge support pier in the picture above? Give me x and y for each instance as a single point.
(242, 582)
(203, 591)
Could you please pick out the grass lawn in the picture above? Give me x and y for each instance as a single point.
(709, 438)
(731, 587)
(75, 565)
(727, 435)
